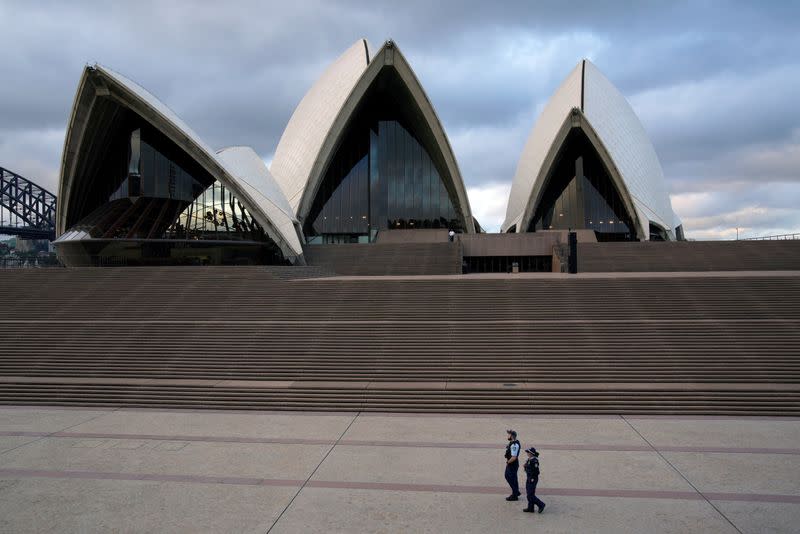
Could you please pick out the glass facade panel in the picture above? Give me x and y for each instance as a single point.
(505, 264)
(581, 195)
(657, 233)
(215, 214)
(153, 174)
(389, 181)
(408, 160)
(166, 197)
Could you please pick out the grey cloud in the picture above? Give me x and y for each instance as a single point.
(691, 120)
(755, 209)
(713, 82)
(35, 154)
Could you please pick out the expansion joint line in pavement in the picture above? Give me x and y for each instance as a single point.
(325, 457)
(695, 488)
(51, 434)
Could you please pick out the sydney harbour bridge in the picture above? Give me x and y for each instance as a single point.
(27, 210)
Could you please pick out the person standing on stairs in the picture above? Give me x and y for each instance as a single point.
(512, 465)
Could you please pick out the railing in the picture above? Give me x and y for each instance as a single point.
(773, 237)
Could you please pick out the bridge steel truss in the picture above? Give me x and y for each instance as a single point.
(28, 210)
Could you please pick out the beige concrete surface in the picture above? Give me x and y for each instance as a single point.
(348, 511)
(266, 425)
(12, 442)
(740, 473)
(102, 506)
(194, 471)
(720, 432)
(484, 467)
(43, 420)
(761, 517)
(168, 457)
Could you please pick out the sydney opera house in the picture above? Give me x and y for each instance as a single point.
(588, 164)
(348, 294)
(138, 185)
(363, 156)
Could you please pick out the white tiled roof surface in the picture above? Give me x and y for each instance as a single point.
(618, 129)
(249, 170)
(148, 98)
(566, 97)
(312, 120)
(628, 145)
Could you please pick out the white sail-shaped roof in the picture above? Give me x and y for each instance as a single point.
(236, 169)
(320, 120)
(312, 120)
(250, 171)
(587, 99)
(542, 136)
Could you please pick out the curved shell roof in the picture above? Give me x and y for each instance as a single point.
(252, 174)
(236, 168)
(320, 119)
(620, 134)
(305, 133)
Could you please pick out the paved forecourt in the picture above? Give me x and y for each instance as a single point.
(95, 470)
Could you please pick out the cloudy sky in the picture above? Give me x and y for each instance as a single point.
(714, 83)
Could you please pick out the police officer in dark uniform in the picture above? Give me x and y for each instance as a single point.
(531, 479)
(512, 465)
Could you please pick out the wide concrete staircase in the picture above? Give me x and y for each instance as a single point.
(379, 259)
(682, 256)
(242, 337)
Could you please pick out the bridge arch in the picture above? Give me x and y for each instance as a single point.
(30, 208)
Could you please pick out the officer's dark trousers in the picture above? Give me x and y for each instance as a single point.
(511, 477)
(530, 490)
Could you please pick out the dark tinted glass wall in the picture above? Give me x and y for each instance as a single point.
(153, 173)
(381, 178)
(388, 171)
(116, 162)
(158, 198)
(507, 264)
(581, 195)
(156, 205)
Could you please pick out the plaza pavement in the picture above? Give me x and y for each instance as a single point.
(129, 470)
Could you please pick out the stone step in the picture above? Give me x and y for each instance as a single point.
(184, 337)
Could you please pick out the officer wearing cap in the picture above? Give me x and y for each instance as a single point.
(512, 465)
(531, 479)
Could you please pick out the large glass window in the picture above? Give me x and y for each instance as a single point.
(163, 207)
(381, 178)
(657, 233)
(160, 199)
(386, 173)
(153, 173)
(216, 214)
(580, 194)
